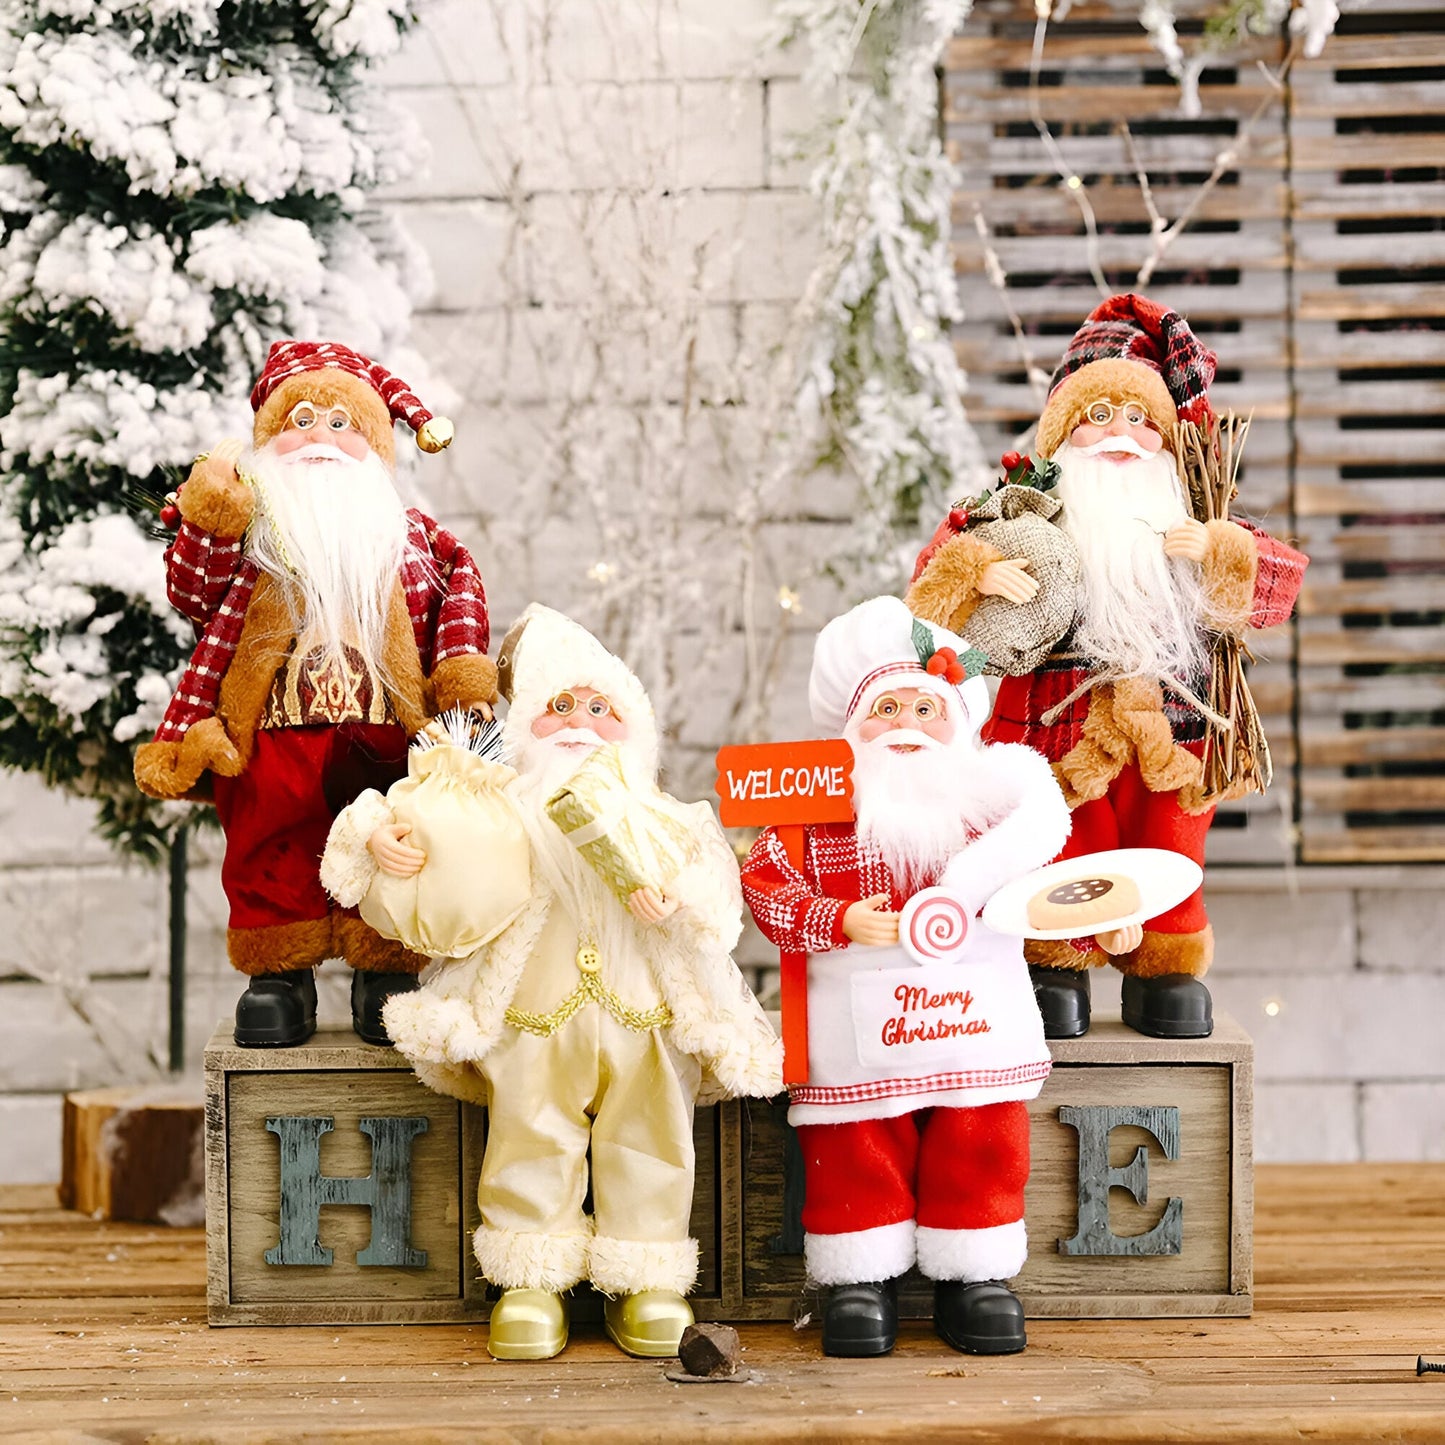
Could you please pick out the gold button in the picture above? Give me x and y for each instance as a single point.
(588, 959)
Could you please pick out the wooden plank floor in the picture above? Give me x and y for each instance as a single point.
(103, 1338)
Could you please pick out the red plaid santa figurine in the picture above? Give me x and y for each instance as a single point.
(913, 1126)
(334, 622)
(1118, 703)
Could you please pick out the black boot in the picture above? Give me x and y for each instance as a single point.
(1063, 998)
(860, 1319)
(979, 1319)
(277, 1011)
(1171, 1006)
(369, 993)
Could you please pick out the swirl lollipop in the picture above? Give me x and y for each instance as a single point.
(934, 927)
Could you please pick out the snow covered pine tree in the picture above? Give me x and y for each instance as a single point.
(182, 182)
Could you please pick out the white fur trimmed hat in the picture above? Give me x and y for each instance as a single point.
(544, 653)
(881, 644)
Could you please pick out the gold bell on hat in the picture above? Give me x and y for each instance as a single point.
(435, 435)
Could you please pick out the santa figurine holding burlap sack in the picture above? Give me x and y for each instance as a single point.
(922, 1046)
(333, 622)
(591, 1021)
(1121, 640)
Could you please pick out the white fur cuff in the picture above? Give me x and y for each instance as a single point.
(754, 1072)
(862, 1255)
(347, 867)
(629, 1266)
(973, 1255)
(513, 1259)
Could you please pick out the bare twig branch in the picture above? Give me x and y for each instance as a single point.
(1225, 161)
(1072, 182)
(1038, 378)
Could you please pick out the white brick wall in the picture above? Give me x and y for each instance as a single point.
(1349, 1061)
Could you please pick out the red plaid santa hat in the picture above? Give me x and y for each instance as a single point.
(1129, 349)
(327, 374)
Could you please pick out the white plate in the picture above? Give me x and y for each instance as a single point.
(1162, 878)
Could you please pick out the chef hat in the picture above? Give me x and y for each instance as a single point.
(881, 644)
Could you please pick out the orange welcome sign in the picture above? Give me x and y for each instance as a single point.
(776, 784)
(788, 786)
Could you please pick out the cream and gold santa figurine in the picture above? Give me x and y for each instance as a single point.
(1111, 588)
(598, 1016)
(333, 622)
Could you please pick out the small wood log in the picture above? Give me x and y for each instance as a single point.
(135, 1152)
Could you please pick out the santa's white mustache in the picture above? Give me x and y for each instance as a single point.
(318, 452)
(1114, 444)
(904, 738)
(570, 737)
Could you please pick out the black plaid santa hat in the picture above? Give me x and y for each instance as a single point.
(1129, 349)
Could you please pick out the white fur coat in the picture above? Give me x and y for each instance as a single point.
(457, 1015)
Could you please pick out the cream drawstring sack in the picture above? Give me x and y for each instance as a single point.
(477, 875)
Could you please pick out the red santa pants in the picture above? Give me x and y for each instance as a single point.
(1130, 816)
(276, 816)
(943, 1188)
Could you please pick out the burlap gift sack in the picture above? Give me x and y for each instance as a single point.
(1021, 522)
(477, 874)
(629, 839)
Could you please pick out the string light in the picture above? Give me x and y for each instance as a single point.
(1272, 1007)
(601, 572)
(788, 600)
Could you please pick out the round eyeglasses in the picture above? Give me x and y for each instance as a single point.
(304, 417)
(565, 704)
(1102, 412)
(890, 708)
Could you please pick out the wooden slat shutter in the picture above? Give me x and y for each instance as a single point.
(1367, 136)
(1322, 287)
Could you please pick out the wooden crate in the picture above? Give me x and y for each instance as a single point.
(436, 1149)
(1195, 1095)
(337, 1078)
(1198, 1095)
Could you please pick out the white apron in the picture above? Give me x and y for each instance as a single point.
(887, 1035)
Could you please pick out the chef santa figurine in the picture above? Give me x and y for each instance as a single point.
(913, 1122)
(1140, 589)
(333, 622)
(597, 1017)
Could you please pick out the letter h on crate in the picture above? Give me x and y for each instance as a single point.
(338, 1188)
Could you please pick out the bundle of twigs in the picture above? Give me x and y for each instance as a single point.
(1236, 755)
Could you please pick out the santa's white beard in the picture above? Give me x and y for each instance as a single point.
(543, 766)
(1139, 610)
(916, 810)
(335, 533)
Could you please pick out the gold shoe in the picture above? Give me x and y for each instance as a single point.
(527, 1324)
(649, 1324)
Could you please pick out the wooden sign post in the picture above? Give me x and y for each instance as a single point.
(787, 786)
